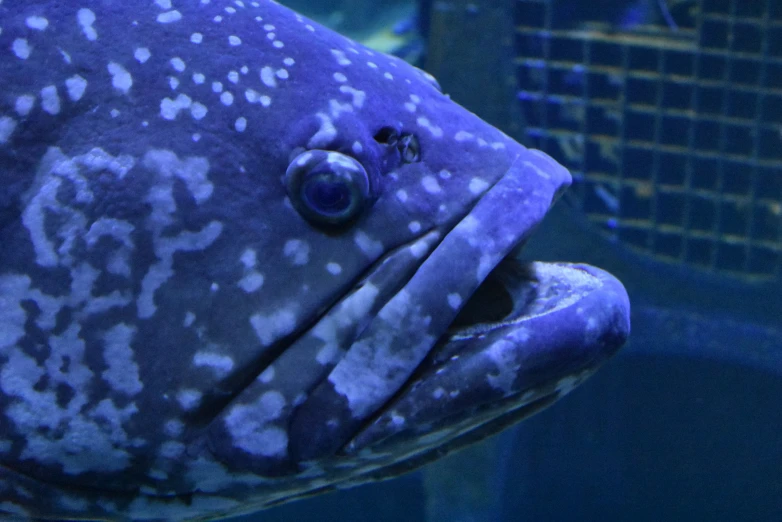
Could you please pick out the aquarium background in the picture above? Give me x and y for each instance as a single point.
(669, 115)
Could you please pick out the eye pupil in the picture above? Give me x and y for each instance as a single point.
(328, 197)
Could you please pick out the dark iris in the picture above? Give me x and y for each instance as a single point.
(327, 188)
(327, 196)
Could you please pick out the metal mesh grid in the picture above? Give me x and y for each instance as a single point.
(674, 136)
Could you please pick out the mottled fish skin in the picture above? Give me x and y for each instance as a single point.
(177, 340)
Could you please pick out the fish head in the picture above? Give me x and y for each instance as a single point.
(249, 259)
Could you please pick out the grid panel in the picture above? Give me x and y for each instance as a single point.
(673, 134)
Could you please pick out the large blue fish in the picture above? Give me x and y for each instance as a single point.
(244, 259)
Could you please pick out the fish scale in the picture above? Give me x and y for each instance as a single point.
(233, 241)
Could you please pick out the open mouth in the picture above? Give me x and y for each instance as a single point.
(527, 336)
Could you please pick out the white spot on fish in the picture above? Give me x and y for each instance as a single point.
(249, 258)
(252, 96)
(358, 96)
(163, 4)
(414, 227)
(170, 108)
(240, 124)
(7, 126)
(401, 195)
(436, 131)
(142, 54)
(86, 18)
(419, 249)
(21, 48)
(24, 104)
(65, 56)
(338, 76)
(189, 399)
(120, 78)
(325, 134)
(178, 64)
(267, 375)
(169, 17)
(454, 301)
(298, 251)
(227, 98)
(196, 38)
(267, 77)
(38, 23)
(198, 110)
(198, 78)
(341, 58)
(121, 371)
(234, 40)
(217, 87)
(50, 100)
(249, 430)
(76, 86)
(251, 282)
(370, 247)
(221, 364)
(269, 328)
(478, 185)
(333, 268)
(173, 82)
(431, 184)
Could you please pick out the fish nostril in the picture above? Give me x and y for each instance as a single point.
(387, 136)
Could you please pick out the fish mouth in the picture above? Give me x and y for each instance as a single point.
(529, 335)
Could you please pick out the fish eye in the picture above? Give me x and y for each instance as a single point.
(387, 136)
(409, 148)
(327, 188)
